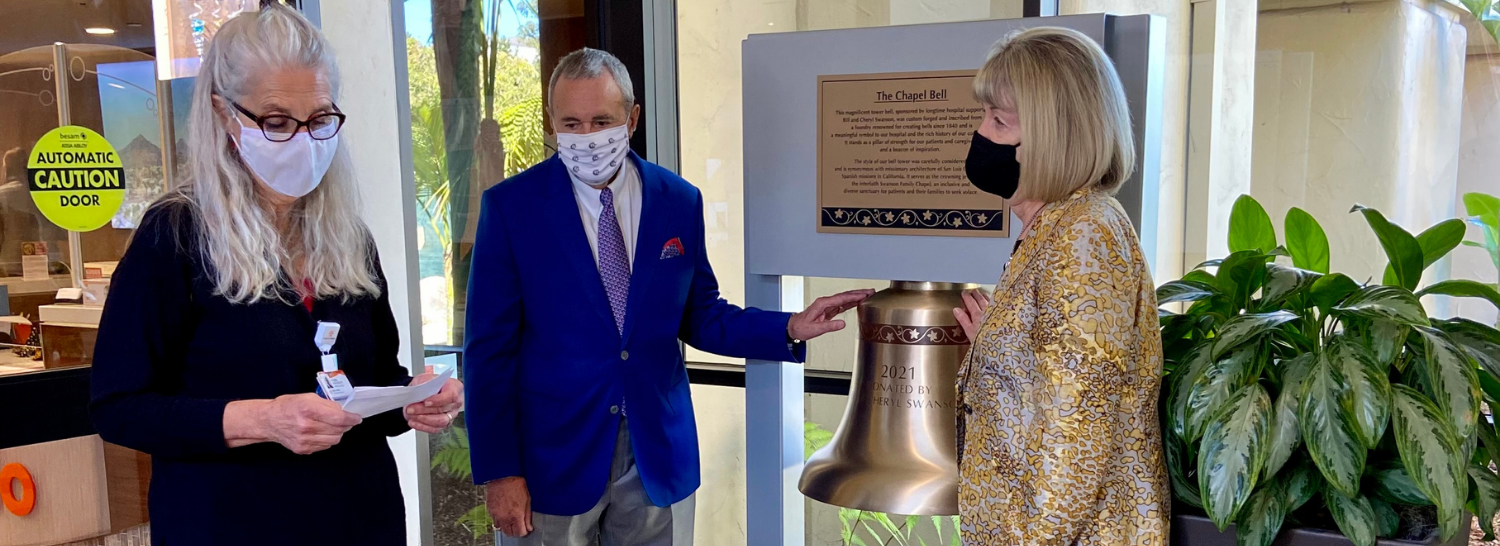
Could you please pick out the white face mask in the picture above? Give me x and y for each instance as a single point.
(595, 157)
(293, 168)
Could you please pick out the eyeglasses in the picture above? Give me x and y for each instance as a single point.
(281, 128)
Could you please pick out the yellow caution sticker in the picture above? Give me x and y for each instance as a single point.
(76, 178)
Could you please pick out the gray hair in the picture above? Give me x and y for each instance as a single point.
(589, 63)
(237, 235)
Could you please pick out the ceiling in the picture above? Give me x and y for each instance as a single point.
(30, 23)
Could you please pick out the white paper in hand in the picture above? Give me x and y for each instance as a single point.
(371, 401)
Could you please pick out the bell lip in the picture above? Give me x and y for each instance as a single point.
(930, 286)
(821, 476)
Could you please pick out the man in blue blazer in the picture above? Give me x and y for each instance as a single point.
(587, 271)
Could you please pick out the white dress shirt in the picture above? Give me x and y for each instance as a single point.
(627, 189)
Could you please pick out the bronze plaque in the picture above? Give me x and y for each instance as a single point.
(891, 150)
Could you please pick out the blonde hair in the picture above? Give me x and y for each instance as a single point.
(237, 233)
(1071, 107)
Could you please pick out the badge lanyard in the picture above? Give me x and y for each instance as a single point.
(332, 383)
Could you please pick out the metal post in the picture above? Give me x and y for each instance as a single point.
(659, 19)
(60, 75)
(168, 134)
(773, 431)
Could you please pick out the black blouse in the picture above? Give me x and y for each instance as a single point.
(171, 354)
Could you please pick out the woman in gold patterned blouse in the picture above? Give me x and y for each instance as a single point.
(1058, 425)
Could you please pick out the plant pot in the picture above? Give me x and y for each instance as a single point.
(1188, 530)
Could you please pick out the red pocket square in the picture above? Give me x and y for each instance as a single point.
(672, 249)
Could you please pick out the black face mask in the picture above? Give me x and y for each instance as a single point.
(993, 167)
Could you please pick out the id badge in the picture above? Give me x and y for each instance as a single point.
(335, 386)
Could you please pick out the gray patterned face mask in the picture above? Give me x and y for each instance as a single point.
(595, 157)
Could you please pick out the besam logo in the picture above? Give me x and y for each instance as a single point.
(12, 475)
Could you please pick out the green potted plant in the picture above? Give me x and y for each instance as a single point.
(1484, 213)
(1306, 404)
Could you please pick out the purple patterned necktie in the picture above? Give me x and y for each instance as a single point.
(614, 265)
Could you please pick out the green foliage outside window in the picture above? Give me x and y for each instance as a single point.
(866, 528)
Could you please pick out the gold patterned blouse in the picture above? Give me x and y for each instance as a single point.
(1062, 445)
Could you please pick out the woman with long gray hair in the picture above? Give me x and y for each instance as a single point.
(247, 302)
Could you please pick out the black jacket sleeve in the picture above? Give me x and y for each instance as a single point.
(139, 353)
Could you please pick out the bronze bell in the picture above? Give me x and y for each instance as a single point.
(894, 451)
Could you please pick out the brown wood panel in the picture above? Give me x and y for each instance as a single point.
(558, 37)
(71, 493)
(129, 477)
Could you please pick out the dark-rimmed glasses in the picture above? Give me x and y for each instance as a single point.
(281, 128)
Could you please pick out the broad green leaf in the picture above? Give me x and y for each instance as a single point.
(1453, 380)
(1286, 435)
(1367, 399)
(1440, 239)
(1178, 463)
(1481, 342)
(1250, 227)
(1431, 453)
(1436, 242)
(1491, 388)
(1388, 522)
(1355, 516)
(1484, 496)
(1240, 275)
(1176, 340)
(1328, 433)
(1218, 383)
(1294, 370)
(1391, 303)
(1283, 282)
(1400, 246)
(1192, 368)
(1262, 515)
(1176, 291)
(1201, 276)
(1464, 289)
(1483, 206)
(1245, 328)
(1394, 485)
(1302, 484)
(1330, 290)
(1490, 441)
(1383, 337)
(1208, 263)
(1232, 453)
(1306, 241)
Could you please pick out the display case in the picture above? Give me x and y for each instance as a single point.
(68, 335)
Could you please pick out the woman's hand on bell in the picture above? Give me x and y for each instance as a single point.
(436, 413)
(818, 318)
(972, 312)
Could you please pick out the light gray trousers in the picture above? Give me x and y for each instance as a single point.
(623, 517)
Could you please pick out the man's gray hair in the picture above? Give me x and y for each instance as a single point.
(589, 63)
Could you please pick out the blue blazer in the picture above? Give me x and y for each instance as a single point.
(544, 362)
